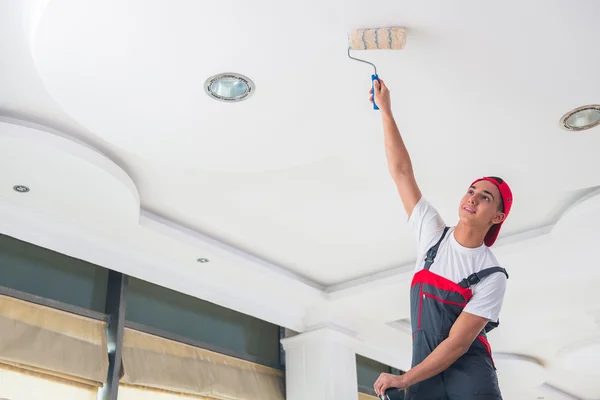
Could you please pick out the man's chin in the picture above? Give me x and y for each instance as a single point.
(467, 216)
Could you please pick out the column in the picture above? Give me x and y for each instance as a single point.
(320, 364)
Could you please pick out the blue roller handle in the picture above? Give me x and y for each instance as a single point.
(373, 78)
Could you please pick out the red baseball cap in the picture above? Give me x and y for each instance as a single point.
(507, 200)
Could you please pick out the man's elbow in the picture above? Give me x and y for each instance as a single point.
(463, 348)
(401, 171)
(459, 346)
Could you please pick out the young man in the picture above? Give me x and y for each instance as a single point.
(458, 287)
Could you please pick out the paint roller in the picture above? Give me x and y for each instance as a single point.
(393, 38)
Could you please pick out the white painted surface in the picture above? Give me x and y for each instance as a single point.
(320, 364)
(288, 195)
(520, 372)
(86, 186)
(582, 357)
(300, 177)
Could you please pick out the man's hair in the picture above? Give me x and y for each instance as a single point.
(501, 205)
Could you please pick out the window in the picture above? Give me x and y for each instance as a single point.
(45, 282)
(127, 392)
(368, 371)
(21, 385)
(153, 365)
(42, 272)
(201, 321)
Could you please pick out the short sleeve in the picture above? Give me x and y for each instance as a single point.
(427, 224)
(488, 297)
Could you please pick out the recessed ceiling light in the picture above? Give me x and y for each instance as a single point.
(581, 118)
(21, 188)
(202, 260)
(229, 87)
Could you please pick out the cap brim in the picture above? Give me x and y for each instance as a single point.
(492, 234)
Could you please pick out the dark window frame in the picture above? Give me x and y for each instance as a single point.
(58, 305)
(114, 316)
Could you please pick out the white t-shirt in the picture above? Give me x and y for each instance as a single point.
(456, 262)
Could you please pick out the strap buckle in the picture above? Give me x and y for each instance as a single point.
(473, 279)
(431, 253)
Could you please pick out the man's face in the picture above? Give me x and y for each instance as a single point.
(481, 205)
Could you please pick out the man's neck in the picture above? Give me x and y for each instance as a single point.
(469, 236)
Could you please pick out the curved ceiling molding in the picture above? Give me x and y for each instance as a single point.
(237, 257)
(66, 178)
(581, 217)
(519, 371)
(556, 393)
(582, 357)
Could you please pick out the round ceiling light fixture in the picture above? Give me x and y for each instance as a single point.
(203, 260)
(581, 118)
(21, 188)
(229, 87)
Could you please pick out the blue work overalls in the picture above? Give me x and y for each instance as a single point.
(436, 303)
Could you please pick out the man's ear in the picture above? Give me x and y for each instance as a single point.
(499, 217)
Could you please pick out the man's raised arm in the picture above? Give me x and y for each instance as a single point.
(398, 159)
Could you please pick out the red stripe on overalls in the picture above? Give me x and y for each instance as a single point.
(428, 277)
(487, 346)
(425, 276)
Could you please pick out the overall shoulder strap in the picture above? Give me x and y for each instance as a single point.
(478, 276)
(432, 252)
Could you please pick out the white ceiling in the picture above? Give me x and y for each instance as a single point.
(133, 166)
